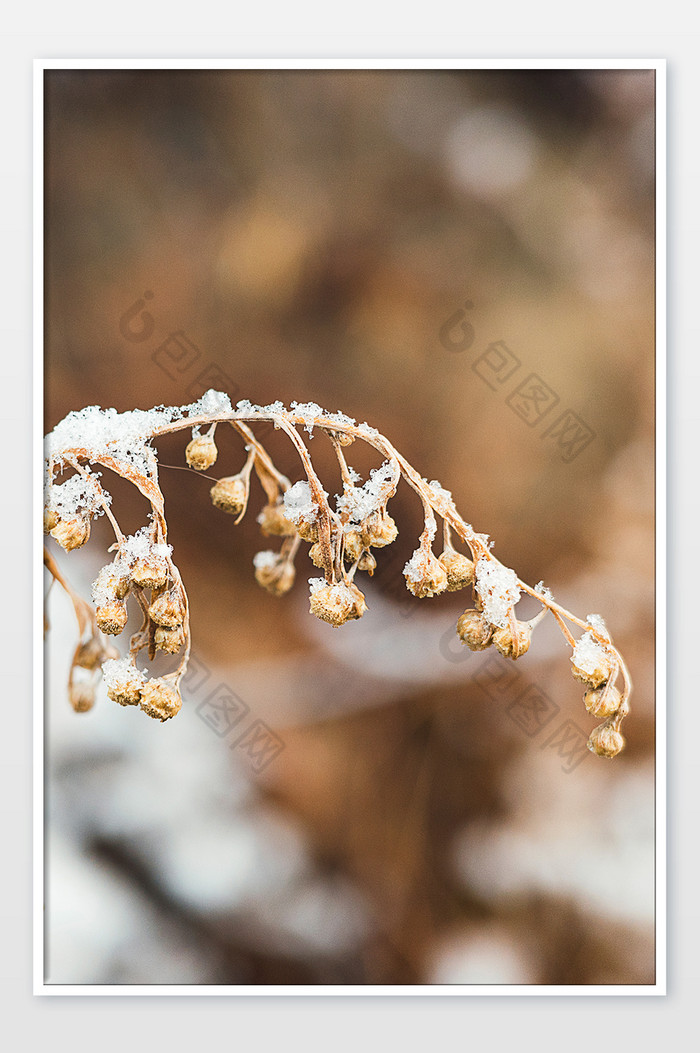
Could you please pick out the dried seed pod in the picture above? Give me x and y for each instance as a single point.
(307, 531)
(503, 640)
(71, 533)
(367, 562)
(336, 603)
(353, 546)
(124, 683)
(201, 452)
(111, 617)
(474, 630)
(169, 640)
(160, 699)
(589, 663)
(50, 520)
(274, 572)
(167, 610)
(230, 494)
(459, 568)
(316, 555)
(90, 654)
(425, 575)
(606, 741)
(81, 696)
(273, 522)
(112, 583)
(602, 701)
(149, 573)
(378, 530)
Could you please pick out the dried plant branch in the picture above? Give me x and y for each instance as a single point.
(341, 542)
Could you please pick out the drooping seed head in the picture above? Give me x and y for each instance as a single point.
(71, 533)
(336, 603)
(50, 520)
(149, 573)
(424, 574)
(602, 701)
(605, 741)
(167, 610)
(112, 617)
(90, 654)
(201, 452)
(124, 682)
(160, 700)
(81, 696)
(590, 663)
(274, 572)
(274, 523)
(474, 630)
(459, 568)
(169, 640)
(378, 530)
(230, 494)
(509, 646)
(353, 546)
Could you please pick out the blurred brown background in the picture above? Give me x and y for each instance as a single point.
(316, 236)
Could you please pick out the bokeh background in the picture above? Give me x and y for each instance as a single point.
(411, 247)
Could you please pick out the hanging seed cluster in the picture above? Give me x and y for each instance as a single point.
(344, 536)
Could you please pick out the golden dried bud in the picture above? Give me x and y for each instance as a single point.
(510, 648)
(230, 494)
(50, 520)
(603, 701)
(167, 610)
(149, 573)
(71, 533)
(307, 531)
(82, 697)
(273, 522)
(125, 688)
(89, 655)
(160, 699)
(460, 570)
(316, 555)
(368, 563)
(112, 617)
(274, 572)
(337, 603)
(201, 452)
(379, 529)
(169, 640)
(353, 546)
(605, 741)
(474, 630)
(425, 575)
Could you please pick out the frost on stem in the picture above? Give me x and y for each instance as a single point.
(341, 534)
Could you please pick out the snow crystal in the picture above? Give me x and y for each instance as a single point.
(77, 494)
(116, 671)
(588, 654)
(542, 589)
(104, 587)
(263, 560)
(212, 404)
(140, 546)
(498, 590)
(415, 569)
(308, 411)
(299, 503)
(597, 623)
(315, 584)
(341, 419)
(366, 430)
(359, 502)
